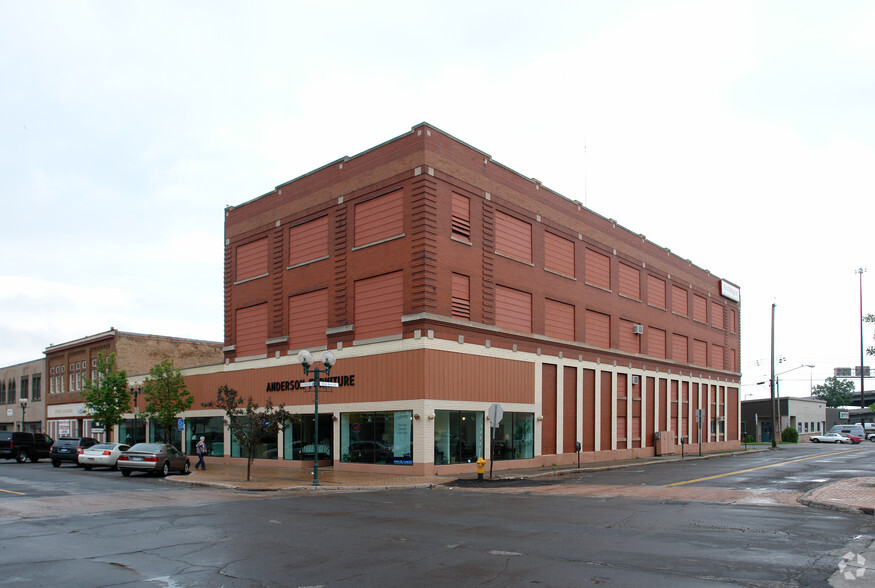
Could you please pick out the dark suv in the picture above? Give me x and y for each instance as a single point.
(22, 446)
(69, 448)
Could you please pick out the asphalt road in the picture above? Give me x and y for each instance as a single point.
(74, 528)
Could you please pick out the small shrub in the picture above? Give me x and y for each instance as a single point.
(747, 439)
(789, 435)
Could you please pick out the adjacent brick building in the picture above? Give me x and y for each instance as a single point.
(69, 364)
(22, 396)
(445, 283)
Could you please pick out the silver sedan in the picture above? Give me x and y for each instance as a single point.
(153, 458)
(101, 455)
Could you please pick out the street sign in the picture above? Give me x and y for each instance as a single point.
(700, 416)
(495, 415)
(180, 423)
(326, 384)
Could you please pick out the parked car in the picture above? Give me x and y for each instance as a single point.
(854, 439)
(153, 458)
(102, 455)
(21, 445)
(371, 452)
(69, 448)
(830, 438)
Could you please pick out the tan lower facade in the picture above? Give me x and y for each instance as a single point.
(422, 406)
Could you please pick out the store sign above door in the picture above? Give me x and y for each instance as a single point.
(730, 291)
(330, 382)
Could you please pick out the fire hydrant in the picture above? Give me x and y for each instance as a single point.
(480, 463)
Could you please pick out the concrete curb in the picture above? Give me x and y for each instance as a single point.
(832, 506)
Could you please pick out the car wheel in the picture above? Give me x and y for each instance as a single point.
(87, 468)
(56, 463)
(165, 469)
(186, 469)
(126, 473)
(21, 456)
(815, 440)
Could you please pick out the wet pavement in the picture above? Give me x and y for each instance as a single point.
(856, 495)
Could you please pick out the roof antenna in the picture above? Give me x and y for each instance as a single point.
(585, 172)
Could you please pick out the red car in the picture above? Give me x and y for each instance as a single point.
(854, 439)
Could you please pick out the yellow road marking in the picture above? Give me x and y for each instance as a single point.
(12, 492)
(774, 465)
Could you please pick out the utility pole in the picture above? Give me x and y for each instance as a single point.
(860, 272)
(772, 382)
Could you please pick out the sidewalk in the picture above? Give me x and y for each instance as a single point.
(852, 495)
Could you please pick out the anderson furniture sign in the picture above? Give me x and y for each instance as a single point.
(283, 385)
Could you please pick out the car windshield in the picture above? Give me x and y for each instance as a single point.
(147, 447)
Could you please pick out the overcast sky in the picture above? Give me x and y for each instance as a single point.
(741, 135)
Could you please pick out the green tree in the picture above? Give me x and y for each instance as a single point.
(834, 391)
(870, 318)
(166, 395)
(249, 424)
(107, 398)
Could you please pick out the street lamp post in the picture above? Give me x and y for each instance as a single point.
(328, 360)
(135, 391)
(23, 404)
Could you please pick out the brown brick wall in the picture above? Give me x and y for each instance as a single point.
(429, 166)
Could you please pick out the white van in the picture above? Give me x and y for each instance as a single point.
(850, 429)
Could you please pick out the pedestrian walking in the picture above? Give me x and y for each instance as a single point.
(201, 449)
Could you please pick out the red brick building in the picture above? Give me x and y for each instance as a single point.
(444, 283)
(69, 364)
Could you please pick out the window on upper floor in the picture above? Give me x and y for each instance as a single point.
(717, 315)
(700, 352)
(35, 387)
(513, 309)
(679, 301)
(251, 261)
(597, 269)
(559, 255)
(308, 319)
(700, 309)
(379, 305)
(379, 219)
(461, 221)
(656, 292)
(461, 297)
(250, 325)
(655, 342)
(629, 279)
(679, 348)
(597, 329)
(513, 237)
(308, 242)
(559, 320)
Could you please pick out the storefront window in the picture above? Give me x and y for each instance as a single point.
(212, 429)
(515, 436)
(129, 435)
(158, 434)
(458, 436)
(377, 437)
(298, 437)
(266, 448)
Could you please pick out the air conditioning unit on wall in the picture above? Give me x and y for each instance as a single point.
(634, 380)
(721, 418)
(637, 329)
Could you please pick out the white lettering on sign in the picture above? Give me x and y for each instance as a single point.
(730, 291)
